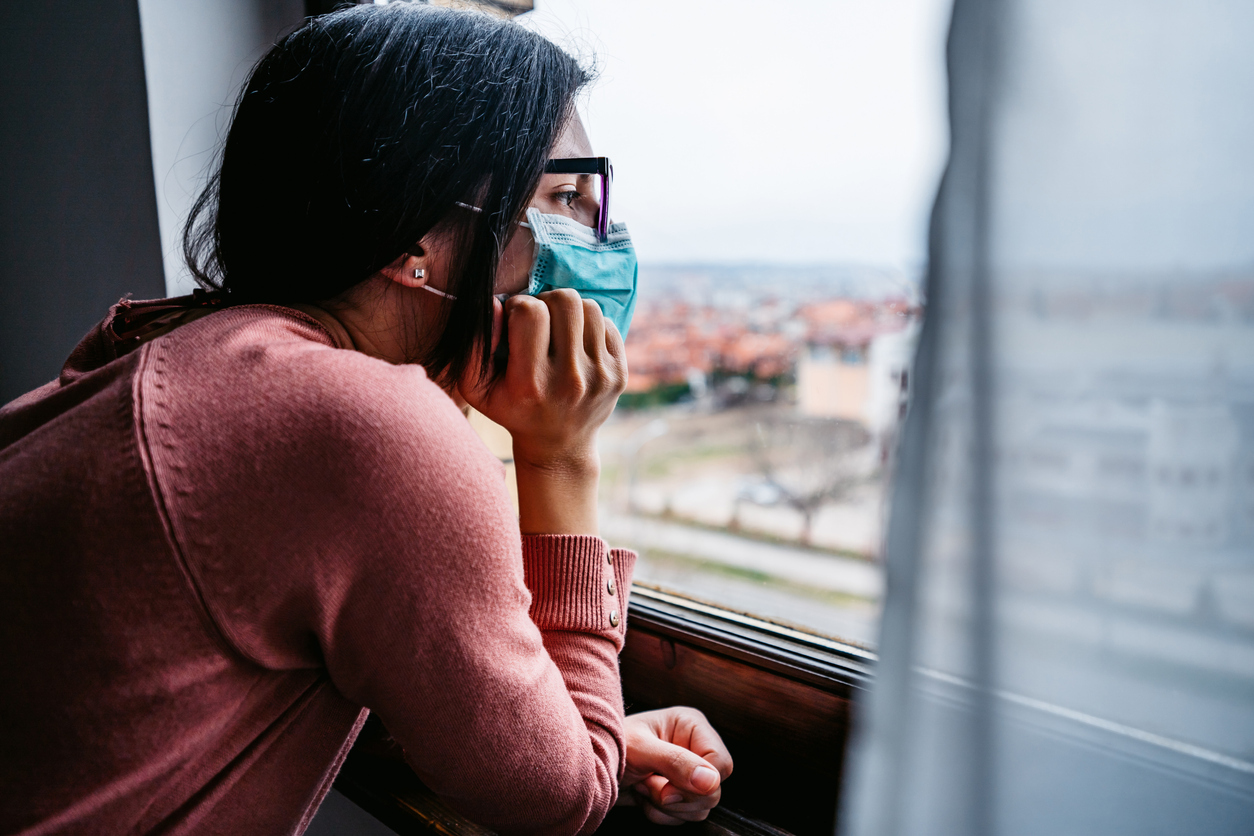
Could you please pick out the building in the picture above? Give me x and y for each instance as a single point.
(855, 363)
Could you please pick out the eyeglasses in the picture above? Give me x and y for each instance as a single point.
(589, 165)
(599, 166)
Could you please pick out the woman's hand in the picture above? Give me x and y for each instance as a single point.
(566, 369)
(676, 764)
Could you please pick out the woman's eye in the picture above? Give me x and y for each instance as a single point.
(567, 198)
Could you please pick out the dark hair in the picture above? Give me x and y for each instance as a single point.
(358, 134)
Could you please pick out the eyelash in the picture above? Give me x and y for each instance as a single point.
(567, 197)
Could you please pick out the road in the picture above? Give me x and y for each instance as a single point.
(805, 567)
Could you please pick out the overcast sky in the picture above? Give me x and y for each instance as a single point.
(742, 130)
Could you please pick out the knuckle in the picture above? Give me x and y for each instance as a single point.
(562, 297)
(621, 372)
(678, 760)
(527, 307)
(691, 713)
(529, 391)
(609, 378)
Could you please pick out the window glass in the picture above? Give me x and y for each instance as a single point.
(775, 164)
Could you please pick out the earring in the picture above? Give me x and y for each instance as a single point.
(419, 273)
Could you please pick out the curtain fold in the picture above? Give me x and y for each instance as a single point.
(1068, 637)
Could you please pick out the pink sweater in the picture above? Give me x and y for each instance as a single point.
(217, 550)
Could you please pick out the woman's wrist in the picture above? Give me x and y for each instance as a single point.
(557, 494)
(572, 460)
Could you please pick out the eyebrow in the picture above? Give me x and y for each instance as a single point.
(579, 178)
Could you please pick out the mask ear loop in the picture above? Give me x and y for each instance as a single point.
(479, 209)
(500, 297)
(431, 289)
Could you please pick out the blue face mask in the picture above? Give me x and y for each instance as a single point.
(568, 254)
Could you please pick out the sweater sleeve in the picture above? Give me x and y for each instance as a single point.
(345, 516)
(573, 609)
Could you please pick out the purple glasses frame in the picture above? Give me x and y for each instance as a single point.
(589, 165)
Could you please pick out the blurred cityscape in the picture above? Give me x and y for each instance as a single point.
(1124, 488)
(747, 461)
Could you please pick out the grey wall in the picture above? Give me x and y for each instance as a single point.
(109, 130)
(78, 218)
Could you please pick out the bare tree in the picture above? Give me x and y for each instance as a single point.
(805, 462)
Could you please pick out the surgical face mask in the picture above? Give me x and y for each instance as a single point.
(568, 254)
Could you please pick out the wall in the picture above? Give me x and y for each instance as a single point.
(109, 132)
(78, 220)
(827, 387)
(890, 356)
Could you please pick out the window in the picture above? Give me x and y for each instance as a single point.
(776, 164)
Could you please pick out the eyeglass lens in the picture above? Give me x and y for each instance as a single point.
(604, 172)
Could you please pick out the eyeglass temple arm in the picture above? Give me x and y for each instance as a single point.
(579, 165)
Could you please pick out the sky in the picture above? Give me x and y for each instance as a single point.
(796, 131)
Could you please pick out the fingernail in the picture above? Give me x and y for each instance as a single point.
(704, 778)
(671, 797)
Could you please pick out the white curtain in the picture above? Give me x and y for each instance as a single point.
(1068, 639)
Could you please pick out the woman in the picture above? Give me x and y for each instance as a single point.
(236, 522)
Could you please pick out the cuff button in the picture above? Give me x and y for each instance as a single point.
(609, 586)
(614, 618)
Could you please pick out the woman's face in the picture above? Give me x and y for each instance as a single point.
(573, 195)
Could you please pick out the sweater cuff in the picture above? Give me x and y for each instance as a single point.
(578, 584)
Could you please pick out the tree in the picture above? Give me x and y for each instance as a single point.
(806, 462)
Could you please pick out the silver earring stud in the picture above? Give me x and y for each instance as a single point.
(419, 273)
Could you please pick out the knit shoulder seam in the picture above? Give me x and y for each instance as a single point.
(216, 630)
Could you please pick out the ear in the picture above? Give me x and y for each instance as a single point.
(410, 270)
